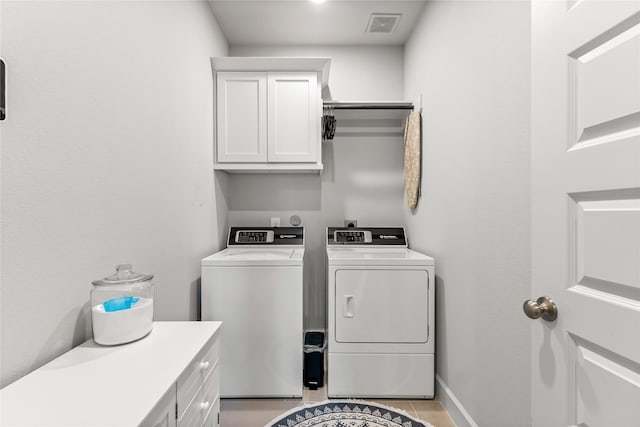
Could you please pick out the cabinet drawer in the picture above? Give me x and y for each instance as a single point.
(211, 390)
(202, 405)
(214, 416)
(193, 414)
(194, 376)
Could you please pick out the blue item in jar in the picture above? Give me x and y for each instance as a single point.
(121, 303)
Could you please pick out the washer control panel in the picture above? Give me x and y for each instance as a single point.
(349, 236)
(266, 236)
(254, 236)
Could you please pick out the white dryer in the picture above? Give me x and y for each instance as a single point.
(381, 315)
(254, 287)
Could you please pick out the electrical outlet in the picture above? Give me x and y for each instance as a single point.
(351, 223)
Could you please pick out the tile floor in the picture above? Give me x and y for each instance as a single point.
(258, 412)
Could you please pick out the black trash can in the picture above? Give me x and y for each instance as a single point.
(314, 359)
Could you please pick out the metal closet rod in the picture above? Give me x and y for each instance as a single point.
(336, 105)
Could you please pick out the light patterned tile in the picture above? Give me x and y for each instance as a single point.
(404, 405)
(440, 420)
(432, 412)
(427, 405)
(253, 412)
(258, 412)
(311, 396)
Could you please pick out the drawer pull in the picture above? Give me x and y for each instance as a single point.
(204, 365)
(205, 405)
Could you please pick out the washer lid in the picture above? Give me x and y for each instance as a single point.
(363, 256)
(251, 256)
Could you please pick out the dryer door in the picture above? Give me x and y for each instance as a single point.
(381, 306)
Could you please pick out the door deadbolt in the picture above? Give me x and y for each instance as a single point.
(544, 307)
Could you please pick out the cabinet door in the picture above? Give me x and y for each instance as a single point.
(294, 117)
(241, 112)
(164, 413)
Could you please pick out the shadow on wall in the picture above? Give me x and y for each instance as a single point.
(195, 292)
(274, 192)
(221, 202)
(441, 338)
(81, 321)
(328, 173)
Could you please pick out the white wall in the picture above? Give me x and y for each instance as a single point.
(358, 73)
(106, 158)
(362, 178)
(470, 60)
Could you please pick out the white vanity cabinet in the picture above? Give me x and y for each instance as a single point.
(268, 114)
(169, 378)
(164, 413)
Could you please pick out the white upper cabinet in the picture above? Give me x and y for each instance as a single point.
(268, 114)
(293, 117)
(242, 117)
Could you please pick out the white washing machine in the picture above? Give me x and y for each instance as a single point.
(381, 315)
(254, 287)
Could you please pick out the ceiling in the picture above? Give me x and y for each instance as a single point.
(302, 22)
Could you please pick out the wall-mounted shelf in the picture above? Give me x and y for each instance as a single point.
(365, 105)
(369, 119)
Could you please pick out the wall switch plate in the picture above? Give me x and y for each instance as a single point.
(275, 222)
(351, 223)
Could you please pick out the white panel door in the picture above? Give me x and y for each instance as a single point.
(381, 306)
(294, 117)
(241, 112)
(586, 212)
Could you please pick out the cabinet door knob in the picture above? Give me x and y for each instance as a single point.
(204, 365)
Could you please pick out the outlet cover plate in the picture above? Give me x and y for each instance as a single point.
(351, 223)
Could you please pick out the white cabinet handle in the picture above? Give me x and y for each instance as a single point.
(205, 405)
(204, 365)
(348, 308)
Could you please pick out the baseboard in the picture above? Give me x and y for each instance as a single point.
(454, 408)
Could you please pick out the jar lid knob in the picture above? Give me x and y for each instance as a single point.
(125, 268)
(124, 274)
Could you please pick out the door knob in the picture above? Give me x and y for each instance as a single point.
(544, 307)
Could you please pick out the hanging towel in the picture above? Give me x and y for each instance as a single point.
(412, 160)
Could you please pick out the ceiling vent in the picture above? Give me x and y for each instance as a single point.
(383, 22)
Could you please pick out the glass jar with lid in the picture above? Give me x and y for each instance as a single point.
(122, 306)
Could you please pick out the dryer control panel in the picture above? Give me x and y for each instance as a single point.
(367, 237)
